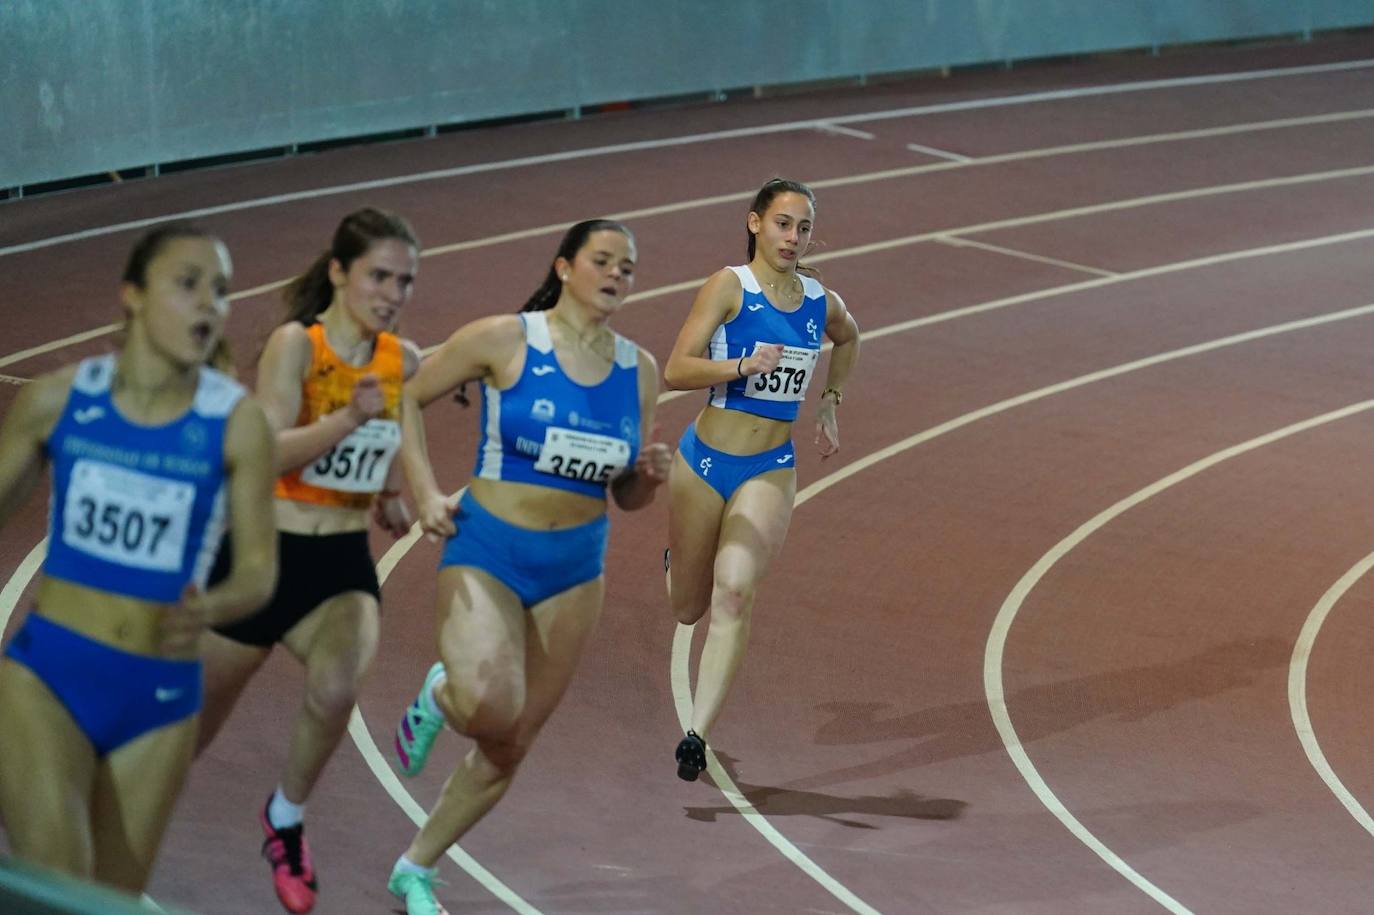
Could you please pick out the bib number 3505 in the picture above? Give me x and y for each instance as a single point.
(360, 462)
(583, 456)
(128, 517)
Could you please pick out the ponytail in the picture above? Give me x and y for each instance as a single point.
(311, 292)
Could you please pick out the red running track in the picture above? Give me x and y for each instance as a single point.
(1066, 302)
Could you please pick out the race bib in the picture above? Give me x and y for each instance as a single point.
(582, 455)
(789, 380)
(360, 462)
(128, 517)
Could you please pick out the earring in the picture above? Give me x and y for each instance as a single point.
(563, 277)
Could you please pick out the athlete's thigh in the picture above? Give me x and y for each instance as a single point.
(136, 788)
(341, 631)
(556, 633)
(754, 528)
(481, 632)
(694, 519)
(47, 770)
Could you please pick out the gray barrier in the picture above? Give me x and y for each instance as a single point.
(88, 86)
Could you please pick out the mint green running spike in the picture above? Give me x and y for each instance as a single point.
(418, 728)
(417, 891)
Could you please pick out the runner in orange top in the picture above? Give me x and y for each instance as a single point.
(329, 380)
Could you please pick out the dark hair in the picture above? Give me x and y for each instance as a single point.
(151, 244)
(546, 296)
(764, 199)
(311, 292)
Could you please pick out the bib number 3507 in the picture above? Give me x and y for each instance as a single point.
(360, 462)
(788, 381)
(128, 517)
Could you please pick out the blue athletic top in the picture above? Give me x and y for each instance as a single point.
(137, 510)
(548, 430)
(777, 394)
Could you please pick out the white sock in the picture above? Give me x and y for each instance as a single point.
(283, 814)
(407, 866)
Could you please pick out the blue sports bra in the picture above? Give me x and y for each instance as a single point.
(137, 510)
(548, 430)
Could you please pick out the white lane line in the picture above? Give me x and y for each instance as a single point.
(939, 153)
(682, 638)
(1001, 101)
(845, 181)
(1297, 691)
(1201, 133)
(1023, 255)
(381, 769)
(9, 595)
(680, 677)
(828, 127)
(1006, 617)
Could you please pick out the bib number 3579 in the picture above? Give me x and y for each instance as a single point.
(360, 462)
(127, 517)
(789, 380)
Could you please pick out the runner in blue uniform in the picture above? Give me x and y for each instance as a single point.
(151, 453)
(566, 404)
(753, 337)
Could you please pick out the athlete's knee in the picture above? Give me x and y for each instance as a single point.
(503, 754)
(330, 694)
(489, 711)
(731, 603)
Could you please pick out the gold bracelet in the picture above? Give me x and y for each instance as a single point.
(839, 395)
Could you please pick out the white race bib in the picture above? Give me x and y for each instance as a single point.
(788, 381)
(360, 462)
(583, 456)
(128, 517)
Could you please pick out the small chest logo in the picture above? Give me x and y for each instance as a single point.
(543, 410)
(811, 328)
(755, 307)
(88, 415)
(542, 370)
(194, 436)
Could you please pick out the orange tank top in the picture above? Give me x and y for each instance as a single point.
(350, 474)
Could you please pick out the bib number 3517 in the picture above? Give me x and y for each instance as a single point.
(360, 462)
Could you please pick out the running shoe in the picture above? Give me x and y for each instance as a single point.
(418, 728)
(691, 757)
(292, 873)
(417, 891)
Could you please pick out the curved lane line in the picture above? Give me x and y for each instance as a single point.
(997, 638)
(941, 235)
(681, 649)
(681, 646)
(1297, 691)
(362, 739)
(567, 155)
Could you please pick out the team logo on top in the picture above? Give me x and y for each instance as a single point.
(627, 428)
(573, 418)
(811, 328)
(543, 410)
(193, 436)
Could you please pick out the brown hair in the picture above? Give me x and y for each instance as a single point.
(311, 292)
(764, 199)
